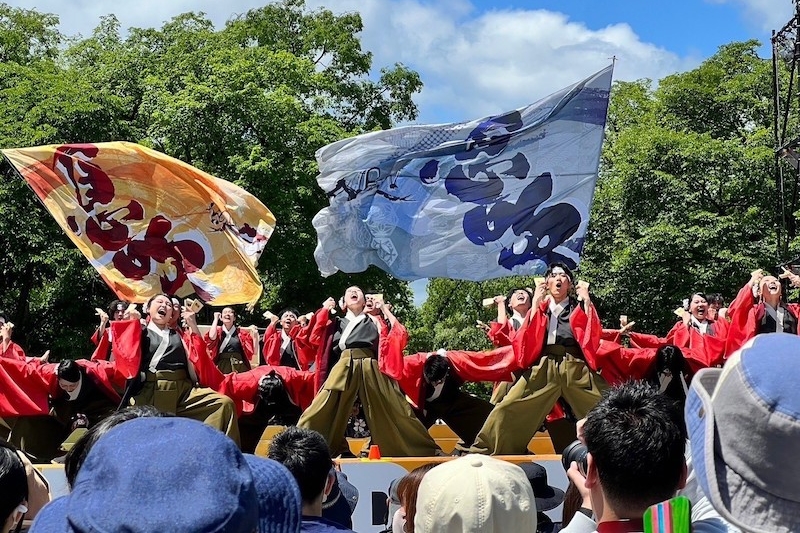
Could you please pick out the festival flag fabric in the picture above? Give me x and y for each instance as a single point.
(477, 200)
(150, 223)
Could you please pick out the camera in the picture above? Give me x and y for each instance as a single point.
(575, 451)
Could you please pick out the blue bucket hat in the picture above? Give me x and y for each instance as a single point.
(744, 425)
(151, 475)
(279, 501)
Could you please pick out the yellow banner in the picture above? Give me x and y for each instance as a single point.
(150, 223)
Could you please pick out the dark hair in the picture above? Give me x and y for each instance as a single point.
(435, 367)
(112, 307)
(153, 297)
(306, 455)
(407, 490)
(4, 316)
(13, 481)
(271, 388)
(510, 293)
(68, 370)
(564, 267)
(289, 309)
(669, 357)
(77, 455)
(716, 298)
(637, 440)
(691, 297)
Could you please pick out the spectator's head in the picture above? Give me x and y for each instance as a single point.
(307, 456)
(407, 490)
(636, 441)
(519, 300)
(341, 501)
(744, 424)
(279, 501)
(559, 279)
(158, 474)
(77, 454)
(547, 497)
(475, 493)
(70, 377)
(13, 487)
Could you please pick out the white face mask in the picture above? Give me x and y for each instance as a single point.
(437, 391)
(664, 380)
(74, 394)
(399, 521)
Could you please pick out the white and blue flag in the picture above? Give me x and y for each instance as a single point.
(502, 195)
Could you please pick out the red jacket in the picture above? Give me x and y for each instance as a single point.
(273, 339)
(127, 346)
(530, 338)
(103, 373)
(12, 351)
(745, 315)
(27, 386)
(502, 334)
(245, 338)
(391, 343)
(102, 346)
(493, 365)
(242, 387)
(700, 351)
(24, 389)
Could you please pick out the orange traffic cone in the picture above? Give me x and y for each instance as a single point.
(374, 452)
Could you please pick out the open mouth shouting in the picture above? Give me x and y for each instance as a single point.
(773, 287)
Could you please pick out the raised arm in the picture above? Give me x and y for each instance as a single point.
(212, 331)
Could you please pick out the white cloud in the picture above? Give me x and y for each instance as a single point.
(472, 64)
(765, 15)
(477, 64)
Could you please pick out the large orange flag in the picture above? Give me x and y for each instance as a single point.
(150, 223)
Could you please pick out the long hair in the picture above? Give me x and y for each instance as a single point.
(407, 493)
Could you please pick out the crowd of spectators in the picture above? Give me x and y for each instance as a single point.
(730, 453)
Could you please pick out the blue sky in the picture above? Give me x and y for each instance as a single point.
(479, 57)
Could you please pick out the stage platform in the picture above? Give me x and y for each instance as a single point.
(372, 477)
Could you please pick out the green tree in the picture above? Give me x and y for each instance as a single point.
(685, 201)
(46, 287)
(686, 197)
(250, 103)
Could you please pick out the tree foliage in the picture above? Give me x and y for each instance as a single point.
(250, 103)
(685, 200)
